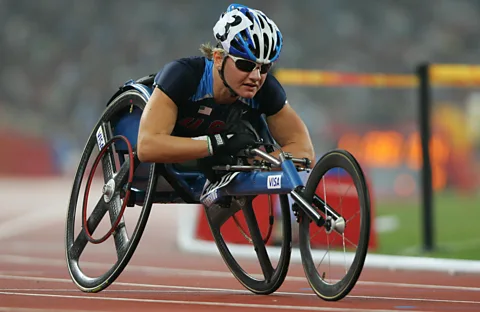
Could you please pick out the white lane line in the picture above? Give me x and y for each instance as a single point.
(162, 271)
(203, 303)
(22, 272)
(125, 284)
(226, 290)
(13, 309)
(415, 299)
(137, 291)
(28, 222)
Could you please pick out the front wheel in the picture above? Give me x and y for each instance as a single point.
(333, 254)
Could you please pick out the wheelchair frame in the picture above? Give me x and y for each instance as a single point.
(188, 186)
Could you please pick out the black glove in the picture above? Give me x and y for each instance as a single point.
(225, 146)
(231, 143)
(239, 133)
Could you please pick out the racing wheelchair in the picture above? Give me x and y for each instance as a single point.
(318, 208)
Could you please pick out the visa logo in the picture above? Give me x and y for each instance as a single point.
(100, 138)
(274, 182)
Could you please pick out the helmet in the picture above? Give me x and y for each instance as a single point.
(248, 33)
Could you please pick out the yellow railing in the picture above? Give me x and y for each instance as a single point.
(455, 75)
(338, 79)
(447, 75)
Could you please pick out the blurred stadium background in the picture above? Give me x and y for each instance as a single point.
(62, 60)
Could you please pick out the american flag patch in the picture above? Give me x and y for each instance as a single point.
(205, 110)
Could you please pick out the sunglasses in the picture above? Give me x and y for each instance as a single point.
(249, 66)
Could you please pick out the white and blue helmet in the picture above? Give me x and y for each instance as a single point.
(248, 33)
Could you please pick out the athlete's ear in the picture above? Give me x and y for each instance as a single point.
(218, 58)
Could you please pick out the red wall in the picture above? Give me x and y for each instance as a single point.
(24, 155)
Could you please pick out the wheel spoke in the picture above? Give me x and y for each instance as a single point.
(218, 215)
(352, 217)
(258, 242)
(121, 177)
(120, 234)
(92, 223)
(108, 160)
(114, 206)
(347, 240)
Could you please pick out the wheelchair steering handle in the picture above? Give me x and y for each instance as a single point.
(277, 161)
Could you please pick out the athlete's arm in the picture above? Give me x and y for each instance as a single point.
(288, 129)
(155, 142)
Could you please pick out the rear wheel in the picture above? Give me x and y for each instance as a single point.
(110, 193)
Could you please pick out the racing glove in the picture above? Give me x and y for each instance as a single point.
(230, 144)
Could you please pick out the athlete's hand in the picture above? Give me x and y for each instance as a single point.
(239, 133)
(232, 143)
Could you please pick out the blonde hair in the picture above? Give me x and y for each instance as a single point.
(207, 50)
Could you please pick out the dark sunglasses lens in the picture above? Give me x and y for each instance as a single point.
(265, 68)
(245, 65)
(248, 66)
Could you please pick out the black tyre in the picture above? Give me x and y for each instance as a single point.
(336, 274)
(119, 177)
(273, 276)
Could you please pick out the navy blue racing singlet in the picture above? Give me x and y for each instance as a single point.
(189, 83)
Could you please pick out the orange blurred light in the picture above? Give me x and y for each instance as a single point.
(391, 149)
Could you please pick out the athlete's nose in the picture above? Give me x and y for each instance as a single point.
(255, 74)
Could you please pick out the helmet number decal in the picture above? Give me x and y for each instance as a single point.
(237, 21)
(229, 26)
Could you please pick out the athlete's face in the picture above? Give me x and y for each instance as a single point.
(245, 77)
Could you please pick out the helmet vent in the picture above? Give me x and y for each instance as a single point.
(266, 42)
(271, 28)
(257, 46)
(262, 24)
(236, 45)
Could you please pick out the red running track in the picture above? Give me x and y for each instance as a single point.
(34, 276)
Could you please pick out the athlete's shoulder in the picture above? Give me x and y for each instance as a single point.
(272, 81)
(179, 78)
(271, 96)
(186, 65)
(193, 63)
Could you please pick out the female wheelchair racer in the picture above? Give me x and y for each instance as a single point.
(179, 118)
